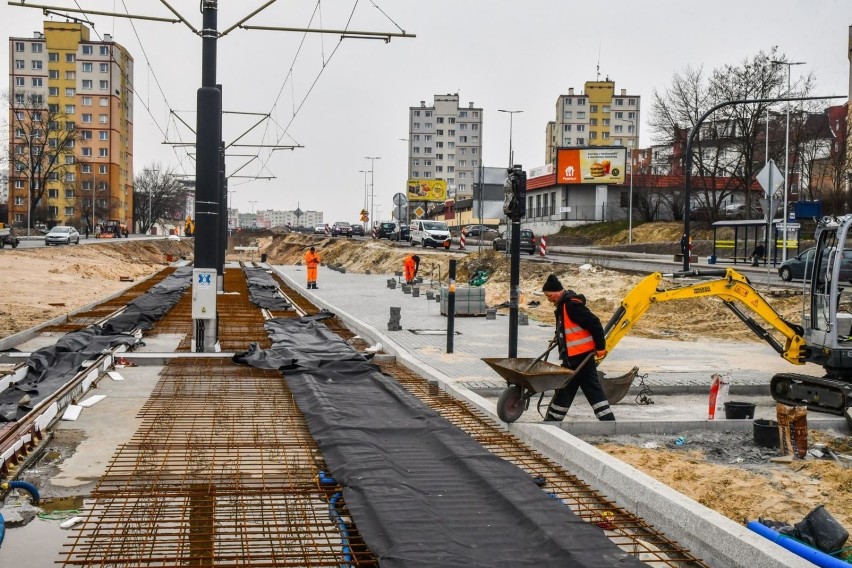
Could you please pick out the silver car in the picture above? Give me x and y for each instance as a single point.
(62, 235)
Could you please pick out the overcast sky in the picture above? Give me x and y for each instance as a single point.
(351, 98)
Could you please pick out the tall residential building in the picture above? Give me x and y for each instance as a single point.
(70, 128)
(445, 142)
(597, 117)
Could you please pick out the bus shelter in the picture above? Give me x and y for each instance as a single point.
(734, 241)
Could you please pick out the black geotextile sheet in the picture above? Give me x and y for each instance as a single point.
(263, 290)
(421, 491)
(51, 367)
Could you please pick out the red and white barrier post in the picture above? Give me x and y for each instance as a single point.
(326, 229)
(461, 241)
(542, 249)
(375, 232)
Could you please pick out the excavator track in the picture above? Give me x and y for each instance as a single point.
(819, 393)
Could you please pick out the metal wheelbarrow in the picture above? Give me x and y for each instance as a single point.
(526, 377)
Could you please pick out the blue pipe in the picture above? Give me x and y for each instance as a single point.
(810, 554)
(28, 487)
(341, 525)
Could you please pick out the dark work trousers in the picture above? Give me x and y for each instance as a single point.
(586, 379)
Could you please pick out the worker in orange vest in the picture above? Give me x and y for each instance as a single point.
(312, 260)
(410, 265)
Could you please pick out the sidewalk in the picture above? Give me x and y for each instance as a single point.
(364, 302)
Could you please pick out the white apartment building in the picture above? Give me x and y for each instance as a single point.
(445, 142)
(276, 218)
(596, 117)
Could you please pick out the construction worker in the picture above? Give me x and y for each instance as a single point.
(580, 337)
(410, 265)
(312, 260)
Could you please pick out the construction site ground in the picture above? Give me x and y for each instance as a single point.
(720, 469)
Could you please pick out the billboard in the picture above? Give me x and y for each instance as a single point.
(596, 165)
(427, 190)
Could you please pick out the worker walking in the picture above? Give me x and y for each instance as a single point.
(312, 260)
(410, 266)
(579, 335)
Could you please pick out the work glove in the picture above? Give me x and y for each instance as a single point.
(600, 354)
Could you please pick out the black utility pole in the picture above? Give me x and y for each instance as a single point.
(207, 144)
(515, 205)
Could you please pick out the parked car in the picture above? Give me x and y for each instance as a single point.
(738, 211)
(319, 229)
(429, 234)
(358, 230)
(527, 241)
(477, 230)
(794, 268)
(341, 229)
(400, 233)
(385, 230)
(62, 235)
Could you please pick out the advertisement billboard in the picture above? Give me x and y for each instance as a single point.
(427, 190)
(595, 165)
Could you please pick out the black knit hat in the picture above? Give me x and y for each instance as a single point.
(552, 284)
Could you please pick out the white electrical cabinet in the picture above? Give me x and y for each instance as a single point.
(204, 293)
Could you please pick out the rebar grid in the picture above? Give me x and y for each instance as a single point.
(624, 529)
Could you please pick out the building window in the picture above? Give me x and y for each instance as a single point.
(606, 122)
(20, 82)
(593, 135)
(427, 113)
(69, 211)
(463, 114)
(53, 74)
(87, 101)
(37, 48)
(87, 152)
(87, 50)
(19, 46)
(87, 67)
(593, 108)
(53, 193)
(19, 64)
(70, 58)
(618, 128)
(104, 67)
(85, 134)
(103, 152)
(87, 84)
(103, 118)
(103, 135)
(428, 125)
(427, 150)
(581, 102)
(104, 101)
(104, 85)
(566, 128)
(53, 91)
(416, 174)
(619, 115)
(630, 128)
(69, 176)
(103, 169)
(474, 127)
(619, 102)
(440, 120)
(618, 142)
(581, 128)
(631, 115)
(416, 125)
(567, 101)
(581, 115)
(462, 138)
(605, 135)
(87, 119)
(581, 141)
(593, 121)
(36, 64)
(462, 126)
(70, 75)
(104, 50)
(631, 102)
(69, 160)
(566, 141)
(86, 168)
(568, 115)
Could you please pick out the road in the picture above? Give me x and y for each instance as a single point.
(37, 241)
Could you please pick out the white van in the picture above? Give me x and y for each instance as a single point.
(429, 233)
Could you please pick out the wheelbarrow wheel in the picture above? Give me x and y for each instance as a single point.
(510, 405)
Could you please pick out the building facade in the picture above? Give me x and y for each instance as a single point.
(71, 128)
(596, 117)
(271, 218)
(445, 142)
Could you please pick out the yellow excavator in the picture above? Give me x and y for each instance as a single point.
(824, 336)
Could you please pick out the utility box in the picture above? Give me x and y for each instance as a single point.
(204, 293)
(470, 300)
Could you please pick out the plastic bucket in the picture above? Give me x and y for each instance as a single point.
(766, 433)
(739, 410)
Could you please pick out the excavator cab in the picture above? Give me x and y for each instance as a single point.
(827, 323)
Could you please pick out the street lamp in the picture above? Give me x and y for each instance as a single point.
(365, 194)
(252, 206)
(630, 203)
(372, 183)
(789, 64)
(150, 191)
(511, 113)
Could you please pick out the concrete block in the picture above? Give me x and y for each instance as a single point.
(491, 314)
(415, 292)
(523, 319)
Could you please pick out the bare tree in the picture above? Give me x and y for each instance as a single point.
(41, 149)
(158, 194)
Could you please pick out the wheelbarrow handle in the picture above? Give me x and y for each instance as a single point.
(541, 357)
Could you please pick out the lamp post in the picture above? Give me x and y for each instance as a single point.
(630, 204)
(252, 206)
(511, 114)
(365, 172)
(372, 183)
(150, 191)
(789, 64)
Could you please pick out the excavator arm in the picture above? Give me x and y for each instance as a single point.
(732, 288)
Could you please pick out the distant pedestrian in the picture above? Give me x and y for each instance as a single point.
(684, 245)
(580, 337)
(312, 260)
(757, 254)
(87, 230)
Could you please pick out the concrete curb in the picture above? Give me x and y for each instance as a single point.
(705, 532)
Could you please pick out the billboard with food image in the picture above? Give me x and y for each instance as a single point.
(595, 165)
(427, 190)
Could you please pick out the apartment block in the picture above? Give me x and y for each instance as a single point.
(596, 117)
(445, 142)
(70, 128)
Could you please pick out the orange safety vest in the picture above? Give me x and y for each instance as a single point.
(311, 259)
(409, 267)
(577, 339)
